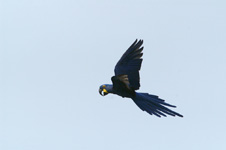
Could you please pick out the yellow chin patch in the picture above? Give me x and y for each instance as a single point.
(105, 90)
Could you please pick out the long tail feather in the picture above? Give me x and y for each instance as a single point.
(153, 105)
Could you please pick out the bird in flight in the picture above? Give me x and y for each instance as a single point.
(127, 80)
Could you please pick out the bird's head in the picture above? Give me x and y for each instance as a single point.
(102, 90)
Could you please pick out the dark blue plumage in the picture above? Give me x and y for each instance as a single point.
(154, 105)
(130, 64)
(127, 80)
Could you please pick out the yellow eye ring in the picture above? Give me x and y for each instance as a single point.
(104, 86)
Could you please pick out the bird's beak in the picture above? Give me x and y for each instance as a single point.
(103, 92)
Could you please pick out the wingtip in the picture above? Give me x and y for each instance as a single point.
(140, 40)
(135, 41)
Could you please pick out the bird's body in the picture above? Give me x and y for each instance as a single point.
(127, 80)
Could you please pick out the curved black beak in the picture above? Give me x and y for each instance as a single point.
(103, 92)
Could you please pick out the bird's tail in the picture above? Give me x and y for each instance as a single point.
(154, 105)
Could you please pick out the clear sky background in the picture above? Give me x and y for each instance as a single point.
(55, 54)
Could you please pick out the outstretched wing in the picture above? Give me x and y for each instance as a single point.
(130, 64)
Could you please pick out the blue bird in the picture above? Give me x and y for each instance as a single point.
(127, 80)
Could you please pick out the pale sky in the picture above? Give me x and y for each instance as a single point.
(55, 54)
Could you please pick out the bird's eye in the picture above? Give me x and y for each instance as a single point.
(104, 86)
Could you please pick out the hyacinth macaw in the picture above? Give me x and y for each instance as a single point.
(127, 80)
